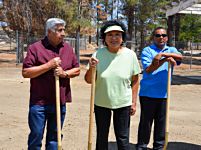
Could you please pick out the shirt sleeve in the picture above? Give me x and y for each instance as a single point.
(146, 58)
(30, 58)
(174, 50)
(136, 65)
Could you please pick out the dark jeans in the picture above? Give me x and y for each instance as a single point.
(152, 109)
(38, 117)
(121, 121)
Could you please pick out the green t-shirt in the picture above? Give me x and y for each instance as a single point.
(114, 73)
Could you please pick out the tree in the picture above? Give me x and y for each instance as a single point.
(190, 28)
(30, 15)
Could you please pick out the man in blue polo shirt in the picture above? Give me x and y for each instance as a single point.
(153, 88)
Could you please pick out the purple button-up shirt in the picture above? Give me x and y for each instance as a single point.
(42, 90)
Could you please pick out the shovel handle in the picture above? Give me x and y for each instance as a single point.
(58, 112)
(167, 107)
(91, 108)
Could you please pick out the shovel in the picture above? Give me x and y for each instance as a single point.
(91, 108)
(58, 112)
(167, 107)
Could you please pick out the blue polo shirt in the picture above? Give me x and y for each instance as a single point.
(154, 84)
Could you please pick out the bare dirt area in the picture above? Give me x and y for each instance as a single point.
(185, 109)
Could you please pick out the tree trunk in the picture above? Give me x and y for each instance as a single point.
(170, 30)
(177, 26)
(89, 39)
(142, 43)
(130, 16)
(20, 47)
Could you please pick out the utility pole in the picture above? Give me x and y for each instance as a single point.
(117, 5)
(97, 24)
(77, 44)
(112, 9)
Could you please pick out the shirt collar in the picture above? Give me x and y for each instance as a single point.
(47, 44)
(156, 48)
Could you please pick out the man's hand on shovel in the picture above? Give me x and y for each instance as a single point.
(55, 62)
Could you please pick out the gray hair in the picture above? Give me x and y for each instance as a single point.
(52, 22)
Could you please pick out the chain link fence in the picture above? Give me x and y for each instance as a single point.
(16, 42)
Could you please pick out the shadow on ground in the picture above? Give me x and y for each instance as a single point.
(7, 61)
(178, 80)
(113, 146)
(84, 61)
(13, 51)
(183, 146)
(171, 146)
(195, 58)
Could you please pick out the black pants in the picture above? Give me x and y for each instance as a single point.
(121, 121)
(152, 109)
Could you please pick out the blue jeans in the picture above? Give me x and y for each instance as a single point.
(38, 117)
(121, 121)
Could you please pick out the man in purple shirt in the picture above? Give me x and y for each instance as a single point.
(46, 58)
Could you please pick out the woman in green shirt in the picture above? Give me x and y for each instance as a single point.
(116, 85)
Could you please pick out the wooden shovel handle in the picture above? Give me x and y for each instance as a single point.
(91, 108)
(58, 112)
(167, 107)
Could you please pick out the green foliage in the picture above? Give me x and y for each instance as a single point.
(30, 16)
(190, 28)
(131, 2)
(142, 16)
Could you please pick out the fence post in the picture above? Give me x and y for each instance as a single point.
(191, 60)
(77, 44)
(19, 47)
(85, 42)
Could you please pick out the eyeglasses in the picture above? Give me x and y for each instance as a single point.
(159, 35)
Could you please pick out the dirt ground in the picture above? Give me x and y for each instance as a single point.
(185, 109)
